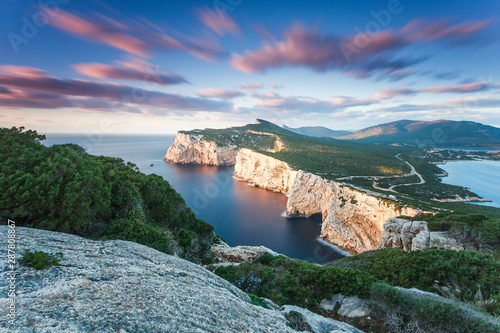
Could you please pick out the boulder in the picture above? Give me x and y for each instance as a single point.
(351, 306)
(415, 235)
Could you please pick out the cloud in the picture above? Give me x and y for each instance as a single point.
(252, 85)
(303, 104)
(130, 72)
(362, 55)
(221, 24)
(38, 88)
(133, 37)
(462, 88)
(276, 85)
(219, 93)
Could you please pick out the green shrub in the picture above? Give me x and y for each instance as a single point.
(426, 313)
(185, 239)
(295, 320)
(256, 300)
(40, 260)
(288, 281)
(62, 188)
(133, 228)
(468, 270)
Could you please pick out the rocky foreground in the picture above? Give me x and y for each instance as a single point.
(119, 286)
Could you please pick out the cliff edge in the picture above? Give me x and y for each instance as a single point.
(352, 219)
(194, 149)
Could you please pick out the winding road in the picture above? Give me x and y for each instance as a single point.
(413, 172)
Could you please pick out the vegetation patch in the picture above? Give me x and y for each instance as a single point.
(62, 188)
(40, 260)
(468, 272)
(288, 281)
(256, 300)
(401, 312)
(296, 321)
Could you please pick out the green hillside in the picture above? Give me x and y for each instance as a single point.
(318, 131)
(373, 167)
(431, 134)
(62, 188)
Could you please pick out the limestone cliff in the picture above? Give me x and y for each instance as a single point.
(264, 171)
(192, 148)
(352, 219)
(119, 286)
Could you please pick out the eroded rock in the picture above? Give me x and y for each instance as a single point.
(415, 235)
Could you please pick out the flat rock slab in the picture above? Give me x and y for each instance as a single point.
(119, 286)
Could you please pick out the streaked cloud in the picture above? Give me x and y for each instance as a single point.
(219, 93)
(220, 24)
(130, 72)
(41, 88)
(134, 37)
(362, 55)
(251, 85)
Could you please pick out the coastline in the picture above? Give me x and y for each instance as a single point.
(482, 198)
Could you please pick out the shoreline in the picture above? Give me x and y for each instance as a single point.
(470, 200)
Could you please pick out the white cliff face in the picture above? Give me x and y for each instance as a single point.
(352, 220)
(264, 171)
(195, 150)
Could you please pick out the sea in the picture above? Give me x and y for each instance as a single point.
(242, 214)
(481, 177)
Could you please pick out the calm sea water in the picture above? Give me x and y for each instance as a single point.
(241, 214)
(482, 177)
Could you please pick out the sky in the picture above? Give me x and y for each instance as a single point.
(156, 67)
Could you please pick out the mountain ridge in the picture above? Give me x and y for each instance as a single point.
(431, 134)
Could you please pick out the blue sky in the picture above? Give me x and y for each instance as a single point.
(160, 66)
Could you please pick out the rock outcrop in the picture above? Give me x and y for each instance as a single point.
(119, 286)
(352, 219)
(351, 306)
(239, 254)
(415, 235)
(194, 149)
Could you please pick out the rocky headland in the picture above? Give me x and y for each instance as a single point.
(193, 149)
(352, 219)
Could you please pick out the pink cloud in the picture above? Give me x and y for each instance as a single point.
(44, 91)
(463, 88)
(134, 37)
(100, 32)
(362, 55)
(219, 93)
(251, 85)
(221, 24)
(134, 72)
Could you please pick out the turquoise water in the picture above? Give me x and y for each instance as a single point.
(241, 214)
(482, 177)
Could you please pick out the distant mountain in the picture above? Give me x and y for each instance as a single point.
(318, 131)
(438, 134)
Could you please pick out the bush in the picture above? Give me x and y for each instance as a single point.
(405, 313)
(467, 270)
(256, 300)
(40, 260)
(62, 188)
(133, 228)
(288, 281)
